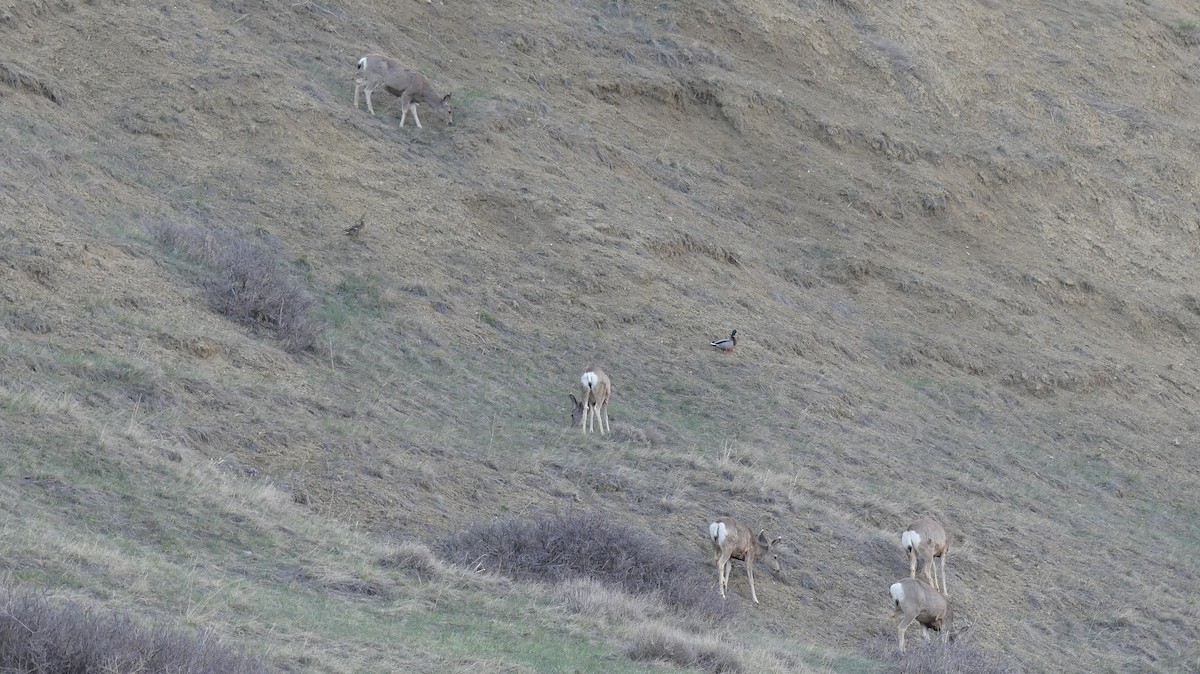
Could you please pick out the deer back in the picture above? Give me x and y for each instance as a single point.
(378, 68)
(598, 394)
(738, 539)
(918, 599)
(932, 534)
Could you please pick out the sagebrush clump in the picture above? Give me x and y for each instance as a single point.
(566, 547)
(39, 637)
(245, 281)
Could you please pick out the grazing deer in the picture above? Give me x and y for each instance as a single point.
(595, 390)
(927, 539)
(376, 70)
(733, 540)
(917, 600)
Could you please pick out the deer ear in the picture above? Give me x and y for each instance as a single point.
(572, 397)
(776, 541)
(446, 99)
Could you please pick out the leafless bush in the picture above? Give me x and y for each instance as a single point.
(37, 637)
(245, 281)
(565, 547)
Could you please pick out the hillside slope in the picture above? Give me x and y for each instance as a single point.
(959, 245)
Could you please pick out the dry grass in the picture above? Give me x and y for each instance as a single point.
(657, 642)
(600, 600)
(953, 246)
(960, 655)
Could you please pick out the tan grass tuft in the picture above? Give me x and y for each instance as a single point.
(653, 641)
(593, 598)
(413, 559)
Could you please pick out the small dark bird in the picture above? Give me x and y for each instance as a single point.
(726, 345)
(362, 222)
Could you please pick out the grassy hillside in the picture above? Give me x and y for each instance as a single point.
(959, 244)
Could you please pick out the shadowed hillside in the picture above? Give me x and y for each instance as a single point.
(958, 242)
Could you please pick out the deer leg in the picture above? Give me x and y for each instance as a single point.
(413, 107)
(750, 575)
(368, 89)
(404, 115)
(901, 627)
(945, 588)
(722, 574)
(357, 86)
(925, 633)
(607, 424)
(912, 563)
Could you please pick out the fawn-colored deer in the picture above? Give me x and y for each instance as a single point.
(917, 600)
(377, 70)
(927, 539)
(595, 389)
(733, 540)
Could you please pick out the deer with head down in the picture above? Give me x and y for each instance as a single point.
(595, 389)
(733, 540)
(918, 601)
(377, 70)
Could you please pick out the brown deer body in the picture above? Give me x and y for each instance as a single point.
(595, 389)
(377, 70)
(926, 539)
(733, 540)
(918, 601)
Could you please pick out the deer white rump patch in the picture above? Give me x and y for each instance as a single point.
(717, 532)
(910, 539)
(589, 379)
(897, 593)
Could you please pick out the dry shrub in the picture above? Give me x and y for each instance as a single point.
(658, 642)
(245, 281)
(566, 547)
(37, 637)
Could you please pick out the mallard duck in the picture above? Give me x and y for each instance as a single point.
(362, 222)
(726, 345)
